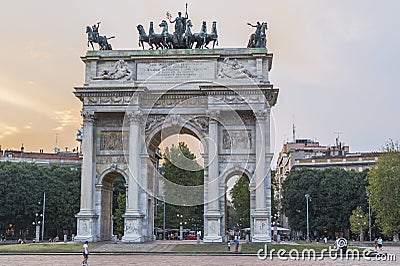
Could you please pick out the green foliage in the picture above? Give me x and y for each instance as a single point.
(241, 201)
(181, 168)
(358, 221)
(384, 189)
(334, 194)
(119, 212)
(21, 189)
(232, 218)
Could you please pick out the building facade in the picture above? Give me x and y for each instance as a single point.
(308, 153)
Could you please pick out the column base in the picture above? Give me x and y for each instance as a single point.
(213, 227)
(132, 228)
(262, 227)
(86, 227)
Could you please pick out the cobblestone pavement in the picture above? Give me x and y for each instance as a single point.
(151, 259)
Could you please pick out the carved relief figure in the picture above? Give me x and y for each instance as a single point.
(233, 70)
(131, 227)
(119, 71)
(111, 140)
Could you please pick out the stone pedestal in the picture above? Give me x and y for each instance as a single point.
(262, 227)
(132, 228)
(213, 227)
(86, 227)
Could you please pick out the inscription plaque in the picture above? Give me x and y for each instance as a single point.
(172, 70)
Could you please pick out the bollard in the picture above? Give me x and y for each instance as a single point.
(65, 238)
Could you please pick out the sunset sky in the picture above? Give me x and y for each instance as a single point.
(336, 63)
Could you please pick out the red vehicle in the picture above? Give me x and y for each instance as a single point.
(191, 237)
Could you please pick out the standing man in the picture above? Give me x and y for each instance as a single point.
(380, 243)
(85, 251)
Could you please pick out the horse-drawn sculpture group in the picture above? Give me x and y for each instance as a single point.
(181, 38)
(178, 40)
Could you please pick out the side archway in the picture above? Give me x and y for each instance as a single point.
(104, 189)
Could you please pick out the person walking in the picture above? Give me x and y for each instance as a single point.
(380, 243)
(376, 244)
(85, 251)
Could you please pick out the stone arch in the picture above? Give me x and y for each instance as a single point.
(153, 138)
(154, 134)
(225, 176)
(104, 189)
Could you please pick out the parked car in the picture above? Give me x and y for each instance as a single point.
(191, 237)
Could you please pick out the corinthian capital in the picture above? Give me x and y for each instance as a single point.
(213, 115)
(134, 117)
(261, 115)
(88, 116)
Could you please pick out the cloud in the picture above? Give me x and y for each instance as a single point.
(65, 118)
(6, 130)
(7, 96)
(28, 126)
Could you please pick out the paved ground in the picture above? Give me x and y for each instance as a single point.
(150, 259)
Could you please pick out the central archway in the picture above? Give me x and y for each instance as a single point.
(169, 198)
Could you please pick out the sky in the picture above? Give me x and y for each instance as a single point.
(335, 63)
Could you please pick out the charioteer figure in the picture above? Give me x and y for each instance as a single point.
(259, 38)
(180, 27)
(95, 37)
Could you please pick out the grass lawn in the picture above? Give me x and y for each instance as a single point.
(41, 247)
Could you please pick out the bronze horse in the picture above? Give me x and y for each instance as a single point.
(202, 42)
(143, 37)
(167, 38)
(102, 41)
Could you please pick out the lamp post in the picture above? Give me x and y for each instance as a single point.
(36, 223)
(275, 224)
(369, 218)
(180, 216)
(43, 211)
(308, 225)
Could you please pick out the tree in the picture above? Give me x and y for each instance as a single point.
(119, 204)
(21, 197)
(241, 201)
(334, 194)
(384, 189)
(119, 212)
(358, 222)
(181, 168)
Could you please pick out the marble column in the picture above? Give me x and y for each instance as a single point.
(261, 215)
(212, 217)
(133, 216)
(86, 218)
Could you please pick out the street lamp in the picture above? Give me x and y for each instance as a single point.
(308, 225)
(369, 217)
(275, 223)
(36, 223)
(180, 226)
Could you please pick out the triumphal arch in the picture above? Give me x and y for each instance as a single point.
(133, 99)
